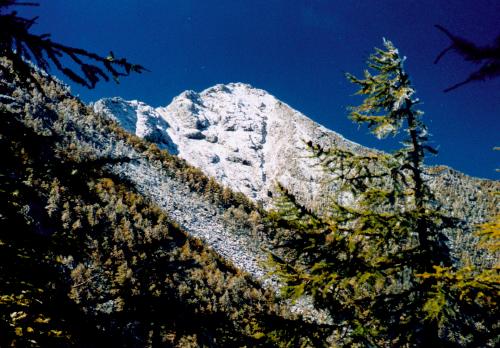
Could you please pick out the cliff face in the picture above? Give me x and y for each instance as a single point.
(248, 140)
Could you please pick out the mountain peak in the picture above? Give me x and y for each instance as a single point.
(248, 140)
(229, 87)
(242, 136)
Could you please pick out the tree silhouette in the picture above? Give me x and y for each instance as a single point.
(487, 56)
(19, 45)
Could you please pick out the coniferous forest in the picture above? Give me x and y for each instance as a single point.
(87, 259)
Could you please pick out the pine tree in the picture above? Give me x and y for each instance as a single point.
(388, 105)
(361, 258)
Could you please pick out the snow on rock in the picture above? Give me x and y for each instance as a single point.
(242, 136)
(139, 119)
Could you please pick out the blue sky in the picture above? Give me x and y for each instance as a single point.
(299, 52)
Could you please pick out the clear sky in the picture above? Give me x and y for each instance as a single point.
(299, 52)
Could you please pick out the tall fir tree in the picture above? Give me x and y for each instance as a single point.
(362, 258)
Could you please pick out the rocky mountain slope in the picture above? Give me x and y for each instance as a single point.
(248, 140)
(136, 246)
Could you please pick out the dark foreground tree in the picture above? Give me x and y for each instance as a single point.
(488, 57)
(367, 258)
(21, 46)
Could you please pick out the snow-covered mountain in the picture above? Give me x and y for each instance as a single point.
(242, 136)
(249, 141)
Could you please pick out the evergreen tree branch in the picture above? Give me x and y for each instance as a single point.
(22, 46)
(487, 56)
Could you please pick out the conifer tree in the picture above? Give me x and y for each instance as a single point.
(361, 258)
(389, 104)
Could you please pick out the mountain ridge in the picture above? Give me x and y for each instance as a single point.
(248, 140)
(232, 128)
